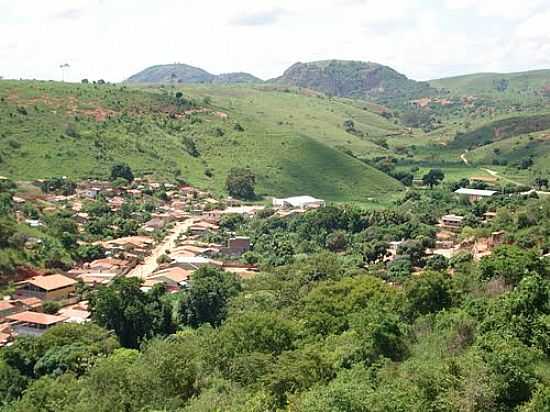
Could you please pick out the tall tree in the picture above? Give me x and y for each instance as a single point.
(241, 183)
(134, 315)
(433, 177)
(122, 170)
(207, 297)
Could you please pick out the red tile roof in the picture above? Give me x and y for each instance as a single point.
(4, 305)
(36, 318)
(51, 282)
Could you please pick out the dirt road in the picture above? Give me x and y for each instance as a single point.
(150, 264)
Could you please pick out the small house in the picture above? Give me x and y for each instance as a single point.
(475, 195)
(33, 323)
(298, 202)
(51, 287)
(452, 221)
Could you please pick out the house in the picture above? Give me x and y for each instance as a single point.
(33, 323)
(31, 303)
(110, 264)
(137, 245)
(489, 216)
(173, 278)
(77, 313)
(452, 221)
(5, 334)
(51, 287)
(475, 195)
(6, 308)
(192, 262)
(298, 202)
(97, 278)
(202, 227)
(236, 246)
(497, 238)
(155, 223)
(245, 211)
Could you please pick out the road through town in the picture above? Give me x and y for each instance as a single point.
(150, 264)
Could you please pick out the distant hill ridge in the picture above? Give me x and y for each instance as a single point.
(184, 73)
(357, 79)
(361, 80)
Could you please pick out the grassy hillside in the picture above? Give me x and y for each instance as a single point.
(501, 130)
(294, 143)
(477, 83)
(514, 150)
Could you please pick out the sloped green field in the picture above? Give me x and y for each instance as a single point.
(293, 143)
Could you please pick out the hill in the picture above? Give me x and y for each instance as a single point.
(501, 129)
(535, 81)
(354, 79)
(183, 73)
(293, 143)
(239, 77)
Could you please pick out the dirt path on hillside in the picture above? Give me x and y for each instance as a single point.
(150, 264)
(463, 157)
(495, 174)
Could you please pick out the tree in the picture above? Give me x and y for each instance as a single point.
(336, 241)
(134, 315)
(433, 177)
(241, 183)
(89, 252)
(122, 170)
(511, 263)
(541, 182)
(12, 383)
(207, 297)
(428, 293)
(437, 262)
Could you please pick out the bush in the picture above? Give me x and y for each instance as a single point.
(51, 307)
(240, 183)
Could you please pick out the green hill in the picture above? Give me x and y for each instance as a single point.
(501, 129)
(183, 73)
(535, 81)
(294, 143)
(355, 79)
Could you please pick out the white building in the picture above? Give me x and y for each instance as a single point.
(475, 194)
(298, 202)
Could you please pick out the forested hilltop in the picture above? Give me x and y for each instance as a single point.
(352, 311)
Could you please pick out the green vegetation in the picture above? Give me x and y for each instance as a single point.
(293, 143)
(317, 330)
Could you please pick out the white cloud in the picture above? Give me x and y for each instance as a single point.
(424, 39)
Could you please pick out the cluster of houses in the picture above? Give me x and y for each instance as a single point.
(23, 313)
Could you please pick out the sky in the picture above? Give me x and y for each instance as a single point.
(424, 39)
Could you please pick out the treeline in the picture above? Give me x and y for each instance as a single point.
(317, 330)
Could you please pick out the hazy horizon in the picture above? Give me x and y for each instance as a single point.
(425, 40)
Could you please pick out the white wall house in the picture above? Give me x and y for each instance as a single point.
(298, 202)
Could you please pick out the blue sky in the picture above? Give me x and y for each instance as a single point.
(422, 39)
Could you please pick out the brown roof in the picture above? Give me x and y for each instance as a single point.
(108, 262)
(4, 338)
(51, 282)
(36, 318)
(4, 305)
(175, 274)
(32, 301)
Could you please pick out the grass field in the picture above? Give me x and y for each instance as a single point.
(294, 143)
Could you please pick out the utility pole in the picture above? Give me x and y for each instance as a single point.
(63, 67)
